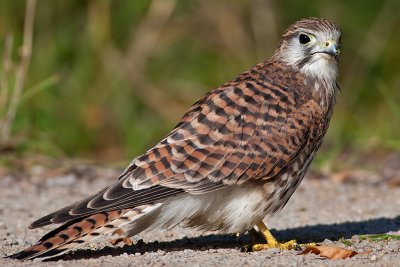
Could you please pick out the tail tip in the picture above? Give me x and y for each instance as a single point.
(23, 255)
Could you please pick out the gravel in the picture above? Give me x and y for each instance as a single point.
(322, 210)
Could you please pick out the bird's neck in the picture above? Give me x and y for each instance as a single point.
(321, 76)
(324, 92)
(322, 88)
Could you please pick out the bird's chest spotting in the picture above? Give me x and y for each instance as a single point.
(281, 187)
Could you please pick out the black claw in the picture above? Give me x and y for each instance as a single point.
(246, 248)
(298, 247)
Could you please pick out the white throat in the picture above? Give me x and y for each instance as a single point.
(322, 68)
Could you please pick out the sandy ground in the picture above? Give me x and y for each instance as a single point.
(325, 209)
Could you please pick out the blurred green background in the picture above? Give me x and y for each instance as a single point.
(108, 79)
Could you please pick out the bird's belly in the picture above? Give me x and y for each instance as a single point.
(232, 209)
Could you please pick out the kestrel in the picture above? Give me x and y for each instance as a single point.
(237, 155)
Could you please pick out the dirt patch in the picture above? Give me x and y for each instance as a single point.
(330, 211)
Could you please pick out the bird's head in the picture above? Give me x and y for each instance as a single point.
(311, 45)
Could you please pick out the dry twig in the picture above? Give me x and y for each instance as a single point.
(5, 72)
(21, 71)
(142, 44)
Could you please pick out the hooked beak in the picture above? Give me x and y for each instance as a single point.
(330, 48)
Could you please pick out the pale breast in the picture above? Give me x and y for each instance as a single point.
(231, 209)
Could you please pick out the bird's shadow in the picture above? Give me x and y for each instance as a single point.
(313, 233)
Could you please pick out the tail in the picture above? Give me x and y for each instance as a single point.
(75, 233)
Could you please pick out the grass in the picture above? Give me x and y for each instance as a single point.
(380, 237)
(346, 242)
(11, 98)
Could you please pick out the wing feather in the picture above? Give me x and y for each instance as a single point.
(234, 134)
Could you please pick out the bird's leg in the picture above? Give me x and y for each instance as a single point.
(271, 241)
(255, 235)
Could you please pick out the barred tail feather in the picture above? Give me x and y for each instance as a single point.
(75, 233)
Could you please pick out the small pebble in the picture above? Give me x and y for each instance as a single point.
(373, 258)
(328, 242)
(63, 180)
(125, 255)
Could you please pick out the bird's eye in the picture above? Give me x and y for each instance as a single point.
(303, 39)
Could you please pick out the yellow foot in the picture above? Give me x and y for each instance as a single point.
(292, 244)
(271, 241)
(313, 244)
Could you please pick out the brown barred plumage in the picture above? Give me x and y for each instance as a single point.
(238, 154)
